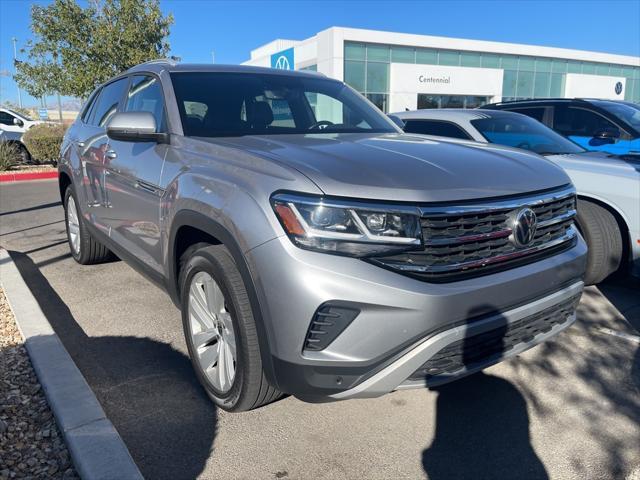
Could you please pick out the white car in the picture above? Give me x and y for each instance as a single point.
(608, 185)
(13, 125)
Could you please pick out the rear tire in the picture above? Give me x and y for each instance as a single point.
(232, 317)
(85, 249)
(602, 234)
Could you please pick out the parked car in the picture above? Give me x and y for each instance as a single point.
(608, 185)
(13, 125)
(313, 247)
(598, 125)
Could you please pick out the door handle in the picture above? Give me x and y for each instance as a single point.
(111, 154)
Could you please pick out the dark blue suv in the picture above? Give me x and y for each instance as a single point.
(600, 125)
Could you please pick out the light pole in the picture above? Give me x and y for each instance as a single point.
(15, 57)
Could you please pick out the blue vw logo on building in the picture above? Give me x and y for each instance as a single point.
(283, 60)
(618, 88)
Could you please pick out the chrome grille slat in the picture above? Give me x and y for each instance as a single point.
(467, 239)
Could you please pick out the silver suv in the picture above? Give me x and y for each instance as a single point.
(314, 248)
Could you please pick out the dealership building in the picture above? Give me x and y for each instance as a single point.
(399, 71)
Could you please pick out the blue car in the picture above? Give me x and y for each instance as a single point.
(597, 125)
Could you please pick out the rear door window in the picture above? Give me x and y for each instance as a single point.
(434, 127)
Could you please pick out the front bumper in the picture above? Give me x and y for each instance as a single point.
(401, 320)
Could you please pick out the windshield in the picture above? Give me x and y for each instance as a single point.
(628, 113)
(220, 104)
(524, 132)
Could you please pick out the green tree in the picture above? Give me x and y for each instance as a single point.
(75, 49)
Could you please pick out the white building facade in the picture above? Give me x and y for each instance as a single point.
(399, 71)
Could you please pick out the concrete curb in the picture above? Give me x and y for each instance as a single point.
(26, 176)
(96, 448)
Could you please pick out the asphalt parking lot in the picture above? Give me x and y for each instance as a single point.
(568, 409)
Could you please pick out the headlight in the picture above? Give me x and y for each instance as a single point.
(348, 227)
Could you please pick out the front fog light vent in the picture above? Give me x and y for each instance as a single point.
(328, 322)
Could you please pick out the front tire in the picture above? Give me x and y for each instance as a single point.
(602, 234)
(85, 249)
(220, 330)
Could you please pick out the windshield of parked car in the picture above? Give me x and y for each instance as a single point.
(221, 104)
(628, 113)
(520, 131)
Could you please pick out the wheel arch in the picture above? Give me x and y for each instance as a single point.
(64, 180)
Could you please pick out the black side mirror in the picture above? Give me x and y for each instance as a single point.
(608, 133)
(18, 122)
(397, 120)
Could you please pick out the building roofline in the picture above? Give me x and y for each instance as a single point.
(449, 43)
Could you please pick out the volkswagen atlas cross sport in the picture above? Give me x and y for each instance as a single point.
(313, 247)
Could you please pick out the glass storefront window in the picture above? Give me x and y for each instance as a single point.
(557, 85)
(449, 58)
(589, 68)
(470, 59)
(509, 62)
(559, 66)
(602, 69)
(526, 64)
(574, 66)
(377, 78)
(524, 87)
(354, 74)
(354, 51)
(616, 71)
(543, 65)
(490, 60)
(541, 85)
(403, 55)
(377, 53)
(426, 56)
(509, 83)
(380, 100)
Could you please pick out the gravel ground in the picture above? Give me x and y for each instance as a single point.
(30, 444)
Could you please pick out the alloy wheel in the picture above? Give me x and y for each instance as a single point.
(212, 332)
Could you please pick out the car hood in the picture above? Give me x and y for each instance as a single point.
(599, 162)
(405, 167)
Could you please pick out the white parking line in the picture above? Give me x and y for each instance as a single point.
(625, 336)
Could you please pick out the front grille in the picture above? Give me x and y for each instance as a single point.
(493, 344)
(468, 240)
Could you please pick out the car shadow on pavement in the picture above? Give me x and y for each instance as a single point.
(482, 425)
(147, 388)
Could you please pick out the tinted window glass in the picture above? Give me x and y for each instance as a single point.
(628, 113)
(145, 95)
(536, 113)
(86, 113)
(579, 122)
(433, 127)
(107, 103)
(523, 132)
(6, 118)
(233, 104)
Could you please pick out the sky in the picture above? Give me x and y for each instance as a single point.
(232, 29)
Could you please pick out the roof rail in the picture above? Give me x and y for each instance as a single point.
(523, 100)
(169, 61)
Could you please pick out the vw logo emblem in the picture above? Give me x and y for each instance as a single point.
(618, 88)
(283, 63)
(524, 227)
